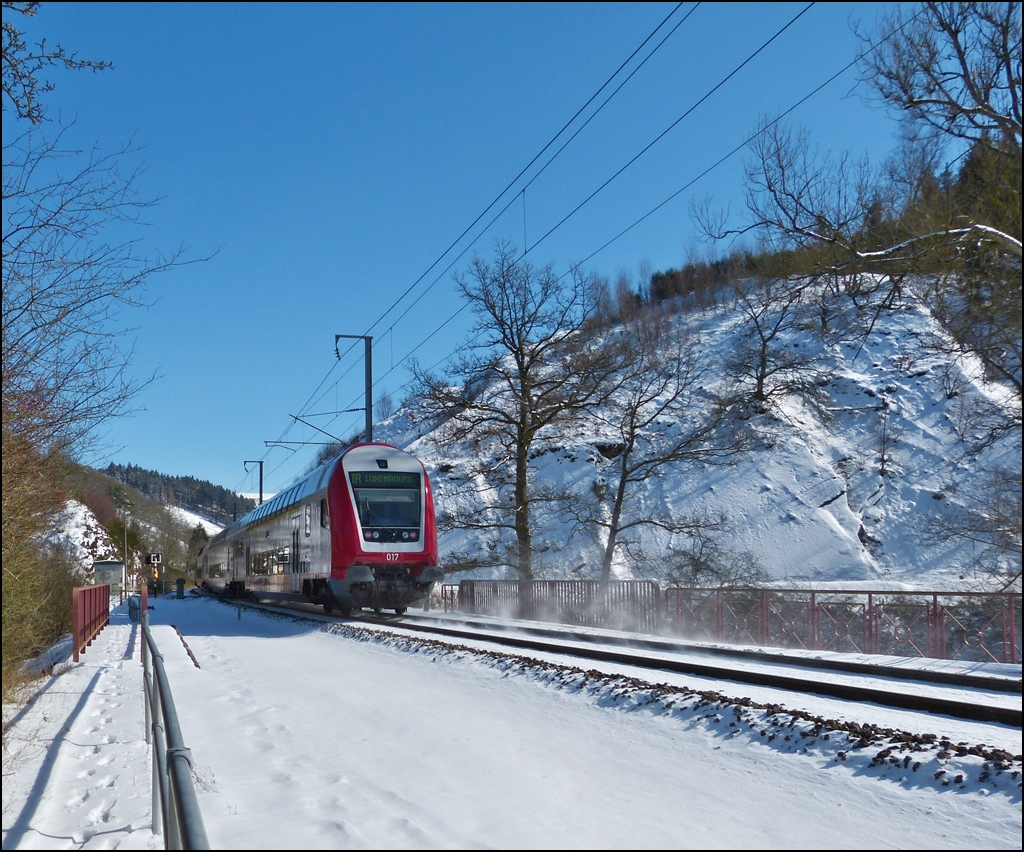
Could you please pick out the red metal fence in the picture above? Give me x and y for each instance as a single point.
(968, 626)
(626, 605)
(90, 612)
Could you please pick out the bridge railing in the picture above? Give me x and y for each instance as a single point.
(450, 597)
(967, 626)
(90, 613)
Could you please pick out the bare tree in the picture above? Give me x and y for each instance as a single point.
(65, 370)
(660, 417)
(704, 562)
(954, 67)
(986, 522)
(952, 73)
(887, 437)
(769, 361)
(22, 65)
(385, 406)
(527, 369)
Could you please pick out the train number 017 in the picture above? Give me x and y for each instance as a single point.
(393, 557)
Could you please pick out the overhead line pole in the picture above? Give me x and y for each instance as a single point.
(260, 463)
(368, 394)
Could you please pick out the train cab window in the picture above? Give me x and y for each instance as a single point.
(325, 515)
(388, 503)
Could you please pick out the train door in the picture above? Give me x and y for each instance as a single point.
(296, 583)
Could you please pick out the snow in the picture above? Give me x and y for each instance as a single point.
(810, 501)
(77, 529)
(310, 735)
(327, 737)
(191, 519)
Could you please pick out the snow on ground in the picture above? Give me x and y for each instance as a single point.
(321, 738)
(308, 736)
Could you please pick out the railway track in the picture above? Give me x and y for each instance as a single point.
(973, 696)
(761, 668)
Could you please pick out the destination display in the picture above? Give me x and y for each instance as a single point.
(384, 479)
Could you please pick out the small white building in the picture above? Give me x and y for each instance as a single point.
(108, 571)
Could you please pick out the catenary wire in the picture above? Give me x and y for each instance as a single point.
(682, 189)
(327, 376)
(667, 200)
(636, 157)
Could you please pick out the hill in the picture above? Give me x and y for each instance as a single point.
(861, 469)
(104, 516)
(866, 468)
(208, 501)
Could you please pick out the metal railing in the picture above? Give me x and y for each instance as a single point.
(90, 613)
(450, 597)
(622, 605)
(967, 626)
(176, 813)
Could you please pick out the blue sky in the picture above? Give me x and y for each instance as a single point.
(326, 155)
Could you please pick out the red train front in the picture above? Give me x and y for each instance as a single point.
(357, 532)
(384, 543)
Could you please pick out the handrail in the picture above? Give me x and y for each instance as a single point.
(967, 626)
(175, 804)
(90, 613)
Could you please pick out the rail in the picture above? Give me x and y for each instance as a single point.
(176, 813)
(90, 613)
(966, 626)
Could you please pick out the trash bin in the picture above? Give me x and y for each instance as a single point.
(180, 583)
(134, 608)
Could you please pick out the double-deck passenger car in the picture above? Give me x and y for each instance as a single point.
(359, 531)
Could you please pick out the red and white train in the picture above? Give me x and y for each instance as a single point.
(359, 531)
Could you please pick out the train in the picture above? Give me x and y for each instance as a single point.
(357, 532)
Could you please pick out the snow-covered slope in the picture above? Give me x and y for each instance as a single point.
(78, 530)
(811, 502)
(192, 520)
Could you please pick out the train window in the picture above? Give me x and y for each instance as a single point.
(325, 515)
(308, 518)
(388, 507)
(239, 548)
(387, 499)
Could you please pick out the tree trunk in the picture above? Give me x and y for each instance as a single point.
(613, 527)
(522, 514)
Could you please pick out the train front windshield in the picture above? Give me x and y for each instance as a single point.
(389, 504)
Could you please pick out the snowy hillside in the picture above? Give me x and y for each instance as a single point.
(191, 520)
(78, 530)
(833, 492)
(837, 489)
